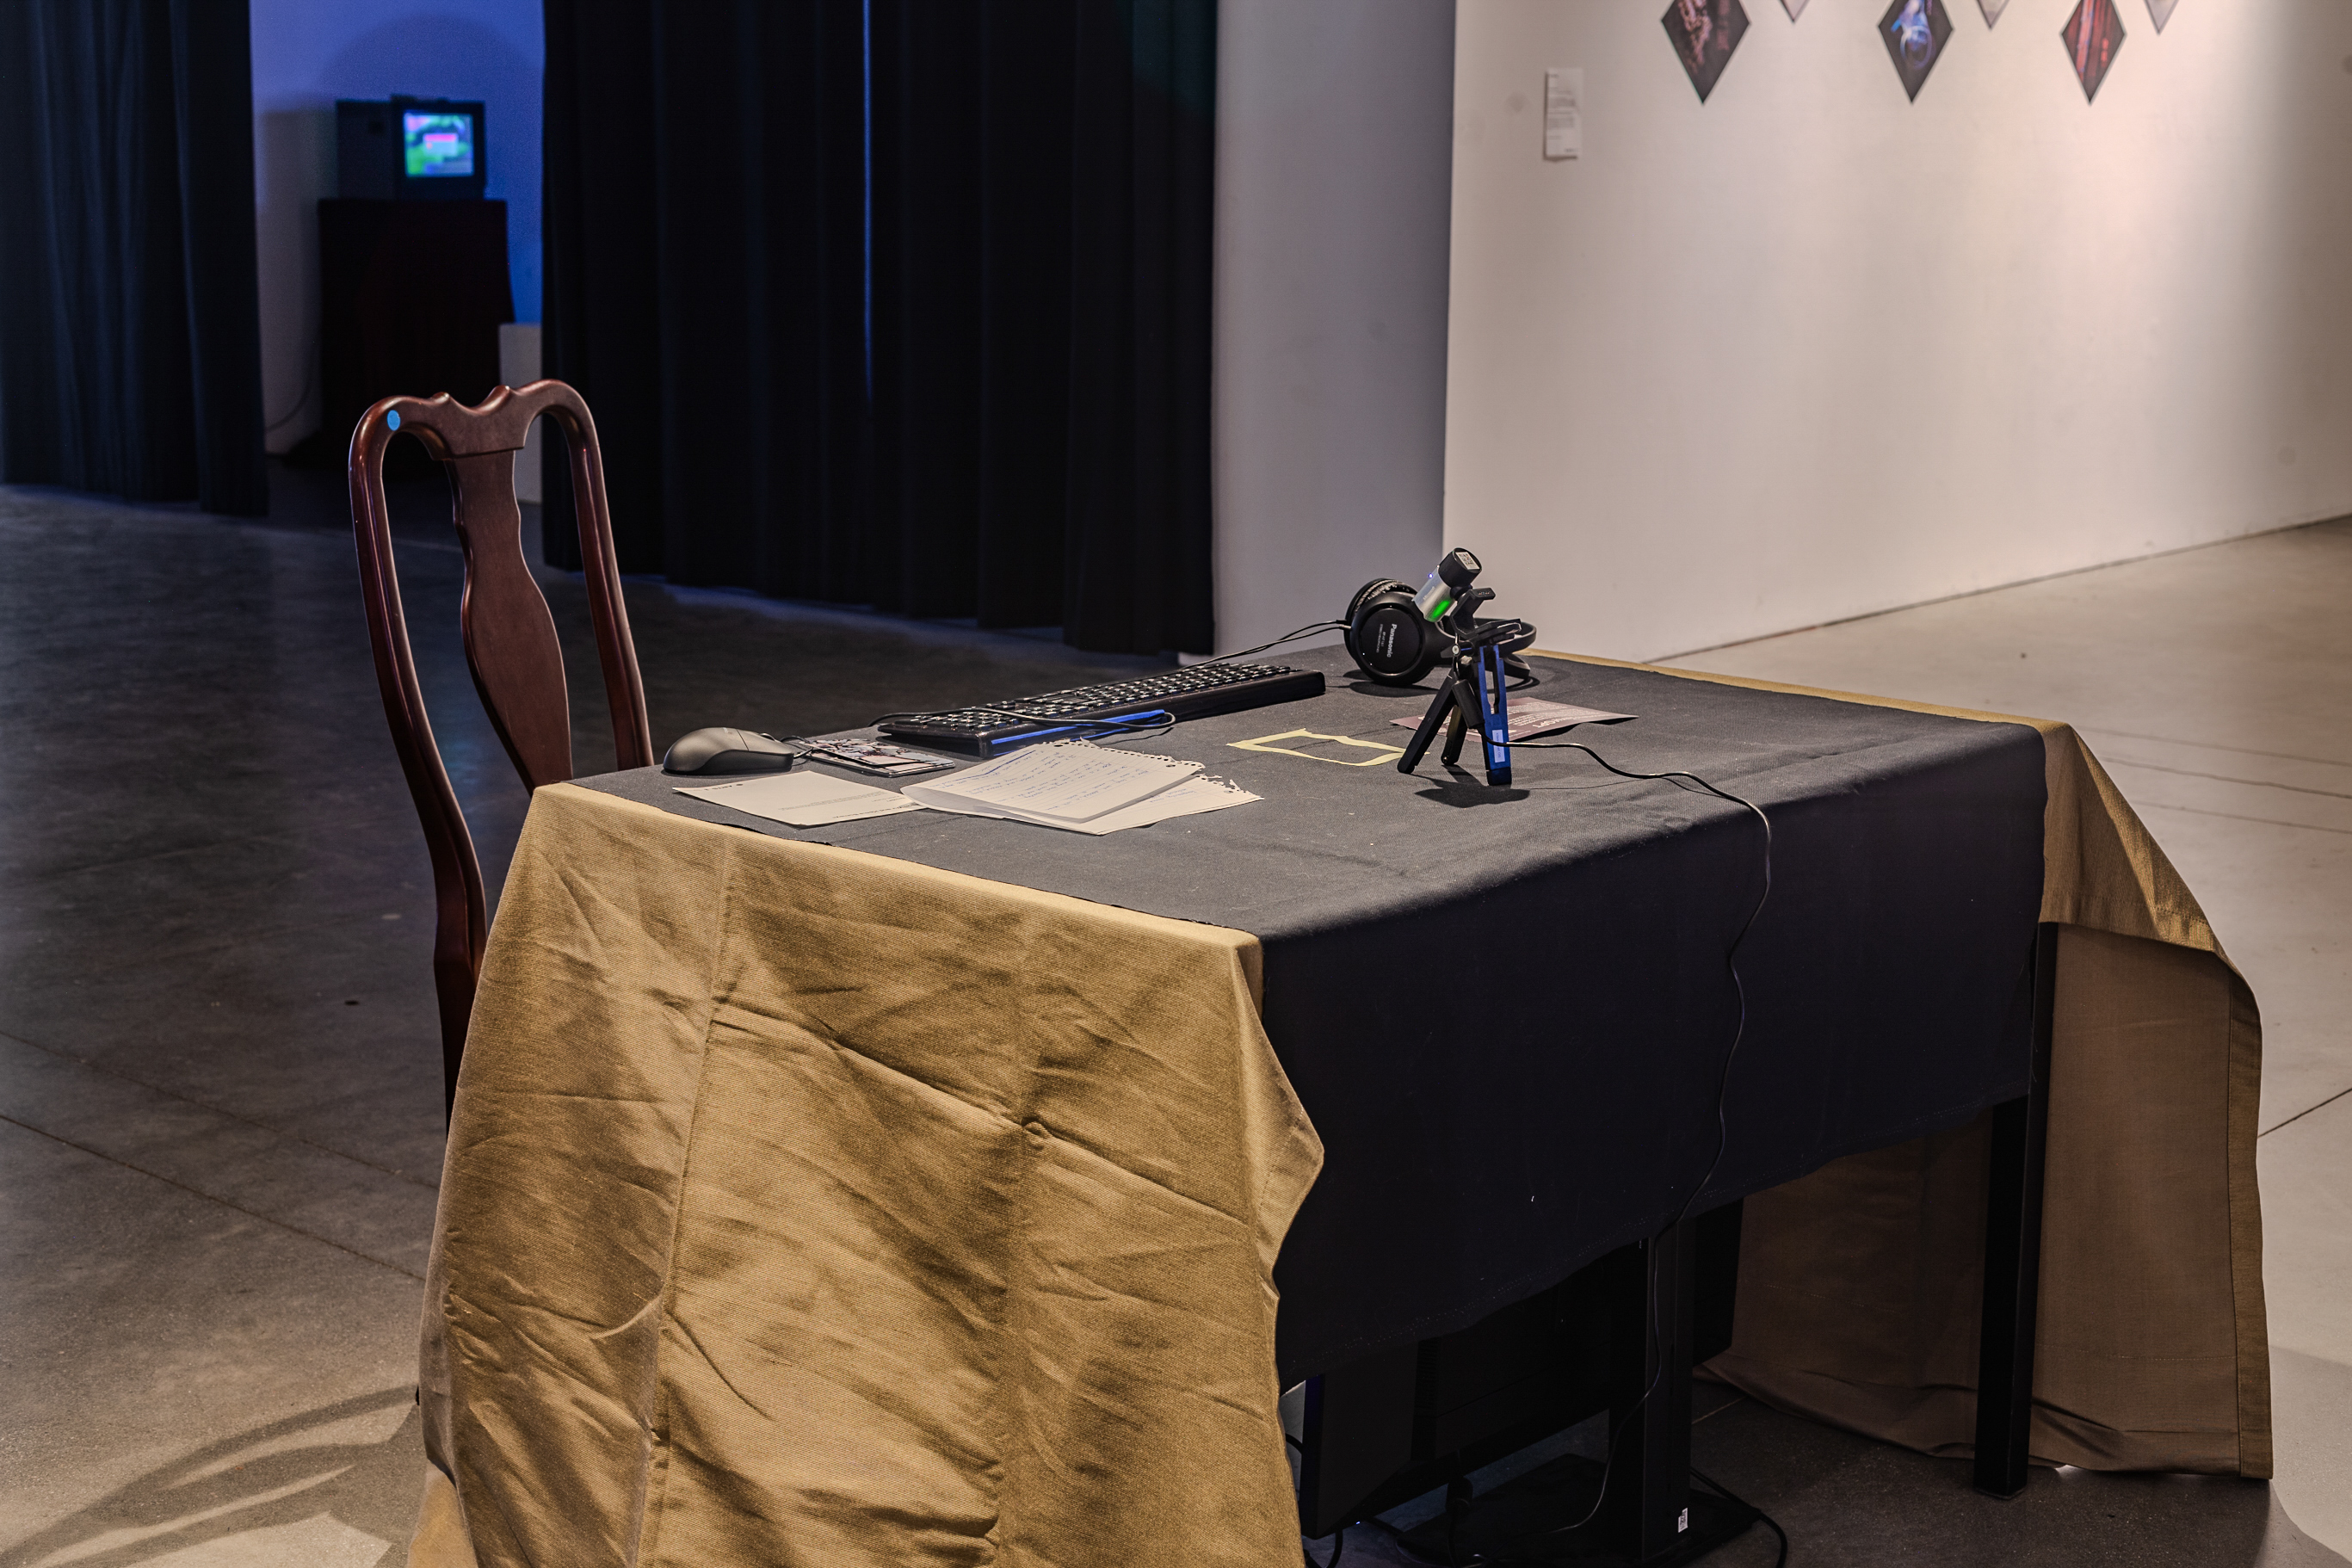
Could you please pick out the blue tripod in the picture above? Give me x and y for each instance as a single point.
(1475, 695)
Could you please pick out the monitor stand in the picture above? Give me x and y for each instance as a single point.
(1619, 1336)
(1521, 1522)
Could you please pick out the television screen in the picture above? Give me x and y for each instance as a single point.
(437, 146)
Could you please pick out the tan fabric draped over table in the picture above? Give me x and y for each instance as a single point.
(1861, 1285)
(808, 1207)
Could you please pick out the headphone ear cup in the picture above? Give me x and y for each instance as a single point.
(1355, 606)
(1377, 585)
(1388, 637)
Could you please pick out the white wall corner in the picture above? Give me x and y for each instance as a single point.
(1333, 181)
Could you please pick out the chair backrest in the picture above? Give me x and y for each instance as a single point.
(510, 642)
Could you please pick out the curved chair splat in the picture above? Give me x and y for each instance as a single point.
(510, 637)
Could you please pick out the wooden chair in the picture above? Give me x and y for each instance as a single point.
(510, 642)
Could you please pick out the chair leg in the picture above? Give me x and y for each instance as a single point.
(453, 989)
(2012, 1275)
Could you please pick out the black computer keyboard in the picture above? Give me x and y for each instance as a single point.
(1189, 693)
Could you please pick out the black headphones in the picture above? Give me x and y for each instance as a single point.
(1396, 644)
(1390, 638)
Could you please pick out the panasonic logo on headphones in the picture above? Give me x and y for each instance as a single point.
(1388, 638)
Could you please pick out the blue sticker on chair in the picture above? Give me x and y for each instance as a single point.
(392, 418)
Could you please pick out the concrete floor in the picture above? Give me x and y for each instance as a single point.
(219, 1099)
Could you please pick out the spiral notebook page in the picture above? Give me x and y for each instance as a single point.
(1195, 796)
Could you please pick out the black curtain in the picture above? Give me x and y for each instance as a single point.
(129, 317)
(895, 301)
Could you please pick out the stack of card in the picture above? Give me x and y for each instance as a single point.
(874, 757)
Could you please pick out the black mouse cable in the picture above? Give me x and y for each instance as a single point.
(1722, 1084)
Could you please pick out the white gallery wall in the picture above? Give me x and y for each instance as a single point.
(1811, 350)
(1334, 157)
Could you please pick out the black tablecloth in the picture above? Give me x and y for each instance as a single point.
(1508, 1011)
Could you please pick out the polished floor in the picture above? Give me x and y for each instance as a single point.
(219, 1099)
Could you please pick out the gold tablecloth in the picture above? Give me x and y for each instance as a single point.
(1861, 1285)
(805, 1205)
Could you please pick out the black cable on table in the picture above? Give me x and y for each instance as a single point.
(1722, 1086)
(1731, 954)
(1287, 637)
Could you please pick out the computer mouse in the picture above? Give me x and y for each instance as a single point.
(725, 750)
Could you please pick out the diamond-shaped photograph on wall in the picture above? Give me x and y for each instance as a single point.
(2160, 12)
(1992, 10)
(2093, 36)
(1705, 32)
(1913, 32)
(1796, 8)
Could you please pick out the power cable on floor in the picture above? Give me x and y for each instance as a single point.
(1719, 1489)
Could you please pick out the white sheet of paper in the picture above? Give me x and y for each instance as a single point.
(803, 799)
(1187, 798)
(1059, 783)
(1195, 796)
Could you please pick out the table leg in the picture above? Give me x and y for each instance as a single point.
(2012, 1275)
(1648, 1506)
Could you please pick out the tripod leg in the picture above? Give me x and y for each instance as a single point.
(1453, 730)
(1493, 716)
(1439, 707)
